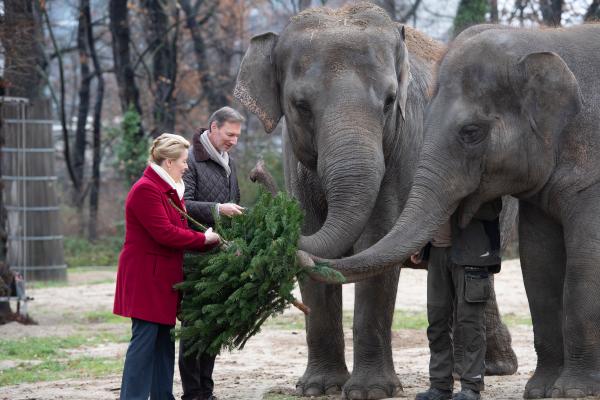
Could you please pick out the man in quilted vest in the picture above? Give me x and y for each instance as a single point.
(211, 189)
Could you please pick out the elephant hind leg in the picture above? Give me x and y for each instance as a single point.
(500, 359)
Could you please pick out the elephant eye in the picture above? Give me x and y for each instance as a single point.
(302, 107)
(389, 102)
(472, 134)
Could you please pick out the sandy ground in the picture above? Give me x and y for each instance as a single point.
(273, 359)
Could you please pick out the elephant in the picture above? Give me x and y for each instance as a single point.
(352, 86)
(517, 112)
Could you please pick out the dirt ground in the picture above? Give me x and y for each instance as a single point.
(273, 359)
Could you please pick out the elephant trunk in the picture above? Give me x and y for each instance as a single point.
(350, 167)
(434, 196)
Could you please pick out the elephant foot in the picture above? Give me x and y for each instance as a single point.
(540, 383)
(321, 383)
(502, 364)
(573, 385)
(372, 386)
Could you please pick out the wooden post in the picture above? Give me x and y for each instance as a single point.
(35, 241)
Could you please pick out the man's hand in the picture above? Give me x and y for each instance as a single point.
(230, 209)
(211, 237)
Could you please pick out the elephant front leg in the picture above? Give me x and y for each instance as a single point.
(541, 248)
(326, 371)
(580, 376)
(500, 359)
(373, 376)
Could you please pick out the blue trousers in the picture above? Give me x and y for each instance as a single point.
(149, 363)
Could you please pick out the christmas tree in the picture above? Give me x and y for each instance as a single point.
(230, 292)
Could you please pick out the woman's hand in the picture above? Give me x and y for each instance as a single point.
(211, 237)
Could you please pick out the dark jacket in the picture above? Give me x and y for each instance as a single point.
(152, 257)
(206, 184)
(478, 244)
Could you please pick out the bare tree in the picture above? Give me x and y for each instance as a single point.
(96, 126)
(593, 11)
(83, 107)
(551, 11)
(197, 16)
(494, 11)
(163, 49)
(25, 66)
(119, 27)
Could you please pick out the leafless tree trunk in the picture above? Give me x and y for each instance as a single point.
(96, 129)
(304, 4)
(163, 47)
(196, 22)
(24, 76)
(593, 12)
(494, 11)
(119, 27)
(22, 39)
(82, 111)
(551, 11)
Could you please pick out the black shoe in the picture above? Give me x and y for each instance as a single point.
(434, 394)
(211, 397)
(466, 394)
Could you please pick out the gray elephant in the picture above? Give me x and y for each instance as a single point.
(518, 112)
(352, 86)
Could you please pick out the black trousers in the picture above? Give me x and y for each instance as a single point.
(196, 374)
(149, 362)
(456, 299)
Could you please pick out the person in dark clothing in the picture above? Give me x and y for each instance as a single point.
(211, 189)
(458, 287)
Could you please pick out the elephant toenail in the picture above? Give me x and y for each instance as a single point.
(556, 393)
(355, 394)
(313, 391)
(535, 394)
(376, 394)
(575, 393)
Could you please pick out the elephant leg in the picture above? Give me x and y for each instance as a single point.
(500, 359)
(373, 376)
(580, 376)
(326, 370)
(543, 259)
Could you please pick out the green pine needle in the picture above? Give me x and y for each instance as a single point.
(229, 294)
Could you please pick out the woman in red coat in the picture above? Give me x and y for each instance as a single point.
(150, 263)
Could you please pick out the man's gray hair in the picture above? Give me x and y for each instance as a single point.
(225, 114)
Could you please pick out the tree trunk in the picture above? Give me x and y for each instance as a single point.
(593, 12)
(96, 132)
(551, 11)
(215, 97)
(23, 40)
(163, 47)
(470, 12)
(82, 112)
(119, 27)
(304, 4)
(494, 11)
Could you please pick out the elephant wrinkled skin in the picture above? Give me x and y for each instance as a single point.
(352, 86)
(517, 111)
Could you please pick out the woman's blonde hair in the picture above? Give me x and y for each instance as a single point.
(167, 146)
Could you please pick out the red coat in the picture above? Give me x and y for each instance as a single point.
(151, 261)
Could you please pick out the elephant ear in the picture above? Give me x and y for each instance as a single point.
(256, 87)
(404, 68)
(550, 93)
